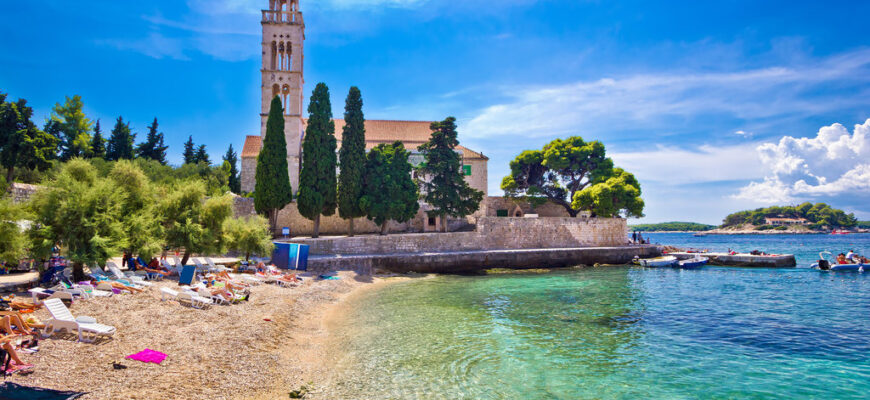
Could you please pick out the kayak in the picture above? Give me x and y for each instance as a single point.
(658, 262)
(693, 263)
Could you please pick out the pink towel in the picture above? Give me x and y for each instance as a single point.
(148, 356)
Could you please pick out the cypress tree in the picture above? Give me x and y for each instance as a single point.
(153, 147)
(201, 155)
(189, 151)
(389, 192)
(445, 189)
(120, 146)
(352, 159)
(98, 144)
(234, 182)
(317, 185)
(272, 190)
(160, 150)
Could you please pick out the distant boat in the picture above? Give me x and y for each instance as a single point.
(824, 265)
(693, 263)
(836, 232)
(658, 262)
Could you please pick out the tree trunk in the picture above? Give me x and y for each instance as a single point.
(9, 174)
(443, 223)
(384, 228)
(185, 257)
(78, 272)
(316, 227)
(273, 221)
(350, 227)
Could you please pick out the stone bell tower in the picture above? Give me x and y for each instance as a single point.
(283, 36)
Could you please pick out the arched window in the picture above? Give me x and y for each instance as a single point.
(274, 54)
(285, 91)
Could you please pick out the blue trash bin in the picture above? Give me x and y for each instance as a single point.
(291, 256)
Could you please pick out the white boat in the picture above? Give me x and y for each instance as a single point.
(658, 262)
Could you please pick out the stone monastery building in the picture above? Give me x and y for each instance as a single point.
(282, 75)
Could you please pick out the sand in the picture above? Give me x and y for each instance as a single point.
(223, 352)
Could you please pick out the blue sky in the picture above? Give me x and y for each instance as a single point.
(715, 106)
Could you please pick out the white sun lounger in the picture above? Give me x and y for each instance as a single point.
(133, 278)
(195, 300)
(62, 319)
(36, 292)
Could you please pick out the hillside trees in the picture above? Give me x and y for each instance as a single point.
(120, 144)
(563, 169)
(153, 146)
(98, 142)
(444, 187)
(818, 214)
(189, 153)
(234, 181)
(317, 181)
(72, 127)
(22, 144)
(272, 190)
(389, 192)
(352, 159)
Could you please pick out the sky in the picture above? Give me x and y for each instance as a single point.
(714, 106)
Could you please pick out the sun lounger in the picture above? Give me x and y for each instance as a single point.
(130, 278)
(62, 319)
(39, 294)
(93, 291)
(194, 299)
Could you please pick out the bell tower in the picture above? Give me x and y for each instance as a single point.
(283, 36)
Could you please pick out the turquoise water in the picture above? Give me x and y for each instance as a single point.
(612, 333)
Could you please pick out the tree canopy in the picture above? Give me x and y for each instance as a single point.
(672, 227)
(317, 181)
(444, 186)
(234, 180)
(98, 142)
(120, 145)
(189, 153)
(819, 215)
(272, 189)
(153, 146)
(563, 169)
(201, 155)
(249, 236)
(72, 127)
(389, 192)
(352, 159)
(22, 144)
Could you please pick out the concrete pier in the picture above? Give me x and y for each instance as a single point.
(743, 260)
(471, 261)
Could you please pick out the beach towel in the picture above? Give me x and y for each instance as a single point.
(148, 356)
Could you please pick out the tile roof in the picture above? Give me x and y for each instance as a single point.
(411, 133)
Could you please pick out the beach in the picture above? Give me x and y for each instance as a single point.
(259, 349)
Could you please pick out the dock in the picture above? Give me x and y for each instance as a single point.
(744, 260)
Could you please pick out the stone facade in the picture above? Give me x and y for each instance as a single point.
(21, 192)
(491, 234)
(497, 205)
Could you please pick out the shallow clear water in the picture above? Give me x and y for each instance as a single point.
(614, 332)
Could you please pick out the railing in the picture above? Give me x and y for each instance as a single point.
(286, 17)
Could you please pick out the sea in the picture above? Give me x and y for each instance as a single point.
(619, 332)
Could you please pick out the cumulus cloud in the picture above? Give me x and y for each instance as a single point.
(678, 165)
(668, 99)
(834, 162)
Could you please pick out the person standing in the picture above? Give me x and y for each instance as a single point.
(634, 237)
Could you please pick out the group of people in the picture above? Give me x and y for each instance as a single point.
(851, 258)
(637, 238)
(16, 334)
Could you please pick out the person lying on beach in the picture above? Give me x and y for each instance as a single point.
(7, 345)
(224, 277)
(18, 304)
(154, 267)
(13, 325)
(289, 278)
(121, 286)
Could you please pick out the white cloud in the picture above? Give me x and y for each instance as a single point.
(680, 165)
(665, 99)
(744, 134)
(154, 45)
(834, 162)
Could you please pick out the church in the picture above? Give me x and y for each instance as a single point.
(282, 75)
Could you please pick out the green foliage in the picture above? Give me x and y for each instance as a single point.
(12, 242)
(153, 146)
(69, 123)
(81, 212)
(120, 145)
(389, 193)
(189, 151)
(672, 227)
(249, 236)
(317, 182)
(201, 155)
(819, 215)
(444, 187)
(563, 169)
(22, 144)
(234, 180)
(863, 224)
(98, 143)
(352, 158)
(137, 199)
(191, 222)
(272, 189)
(617, 196)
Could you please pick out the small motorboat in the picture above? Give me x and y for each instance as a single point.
(824, 265)
(693, 263)
(658, 262)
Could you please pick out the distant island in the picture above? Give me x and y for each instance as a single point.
(804, 218)
(672, 227)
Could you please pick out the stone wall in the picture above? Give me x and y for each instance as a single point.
(21, 192)
(491, 234)
(516, 208)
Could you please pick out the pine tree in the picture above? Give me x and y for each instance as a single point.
(234, 182)
(272, 190)
(72, 127)
(189, 151)
(352, 159)
(444, 187)
(389, 192)
(201, 155)
(317, 184)
(22, 144)
(152, 147)
(98, 144)
(120, 146)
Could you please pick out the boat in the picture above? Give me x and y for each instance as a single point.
(824, 265)
(840, 232)
(658, 262)
(693, 263)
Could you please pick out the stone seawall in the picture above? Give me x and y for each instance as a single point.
(492, 233)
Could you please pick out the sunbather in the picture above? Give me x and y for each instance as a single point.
(7, 345)
(16, 303)
(289, 278)
(121, 286)
(13, 324)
